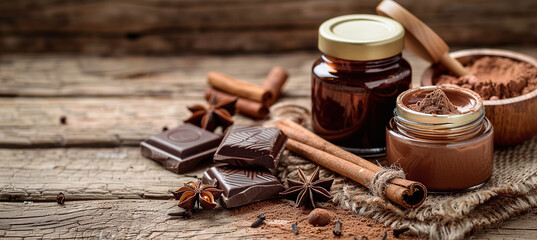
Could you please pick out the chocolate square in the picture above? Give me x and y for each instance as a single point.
(243, 186)
(251, 146)
(181, 149)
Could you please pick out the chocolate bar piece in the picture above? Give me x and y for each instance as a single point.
(181, 149)
(243, 186)
(251, 146)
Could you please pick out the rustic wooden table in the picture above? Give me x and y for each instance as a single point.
(72, 124)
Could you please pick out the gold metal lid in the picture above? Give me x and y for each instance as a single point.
(361, 37)
(471, 109)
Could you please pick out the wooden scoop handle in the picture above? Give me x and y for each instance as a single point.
(421, 39)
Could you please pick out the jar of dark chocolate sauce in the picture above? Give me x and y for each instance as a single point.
(444, 152)
(357, 79)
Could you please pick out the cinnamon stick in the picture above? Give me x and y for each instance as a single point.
(244, 106)
(302, 135)
(296, 131)
(327, 160)
(274, 83)
(238, 88)
(406, 197)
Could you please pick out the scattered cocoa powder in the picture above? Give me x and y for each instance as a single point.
(435, 102)
(281, 214)
(495, 78)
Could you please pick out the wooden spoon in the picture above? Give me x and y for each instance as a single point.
(420, 39)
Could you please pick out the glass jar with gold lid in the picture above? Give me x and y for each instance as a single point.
(444, 152)
(357, 79)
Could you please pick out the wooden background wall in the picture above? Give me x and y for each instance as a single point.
(174, 27)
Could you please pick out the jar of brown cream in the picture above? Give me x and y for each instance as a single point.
(357, 79)
(445, 149)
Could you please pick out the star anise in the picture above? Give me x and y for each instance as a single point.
(308, 191)
(217, 114)
(194, 192)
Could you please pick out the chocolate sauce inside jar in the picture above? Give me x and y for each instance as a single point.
(356, 80)
(354, 100)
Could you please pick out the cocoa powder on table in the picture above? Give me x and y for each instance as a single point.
(495, 77)
(280, 214)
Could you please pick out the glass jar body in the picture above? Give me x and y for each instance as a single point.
(442, 165)
(352, 101)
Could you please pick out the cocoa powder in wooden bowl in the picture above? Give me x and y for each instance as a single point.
(506, 80)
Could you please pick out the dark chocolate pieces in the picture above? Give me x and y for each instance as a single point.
(181, 149)
(243, 186)
(251, 146)
(249, 151)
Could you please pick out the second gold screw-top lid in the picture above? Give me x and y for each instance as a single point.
(361, 37)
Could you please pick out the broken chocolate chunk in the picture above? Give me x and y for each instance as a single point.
(243, 186)
(181, 149)
(251, 146)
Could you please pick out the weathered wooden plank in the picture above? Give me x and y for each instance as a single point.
(36, 122)
(184, 77)
(89, 121)
(130, 112)
(149, 219)
(122, 118)
(180, 77)
(142, 219)
(520, 227)
(168, 26)
(86, 173)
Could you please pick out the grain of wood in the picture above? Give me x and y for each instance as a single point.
(122, 219)
(520, 227)
(178, 77)
(86, 173)
(148, 219)
(167, 27)
(90, 121)
(181, 77)
(35, 122)
(128, 111)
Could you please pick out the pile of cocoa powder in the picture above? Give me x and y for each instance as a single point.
(495, 78)
(435, 102)
(280, 214)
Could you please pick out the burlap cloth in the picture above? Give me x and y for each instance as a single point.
(511, 190)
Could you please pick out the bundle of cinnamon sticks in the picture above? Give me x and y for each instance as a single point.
(406, 193)
(254, 101)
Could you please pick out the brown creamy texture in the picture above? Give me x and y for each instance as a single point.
(440, 162)
(496, 78)
(352, 101)
(442, 166)
(436, 102)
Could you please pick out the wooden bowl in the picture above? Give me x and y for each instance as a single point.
(514, 119)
